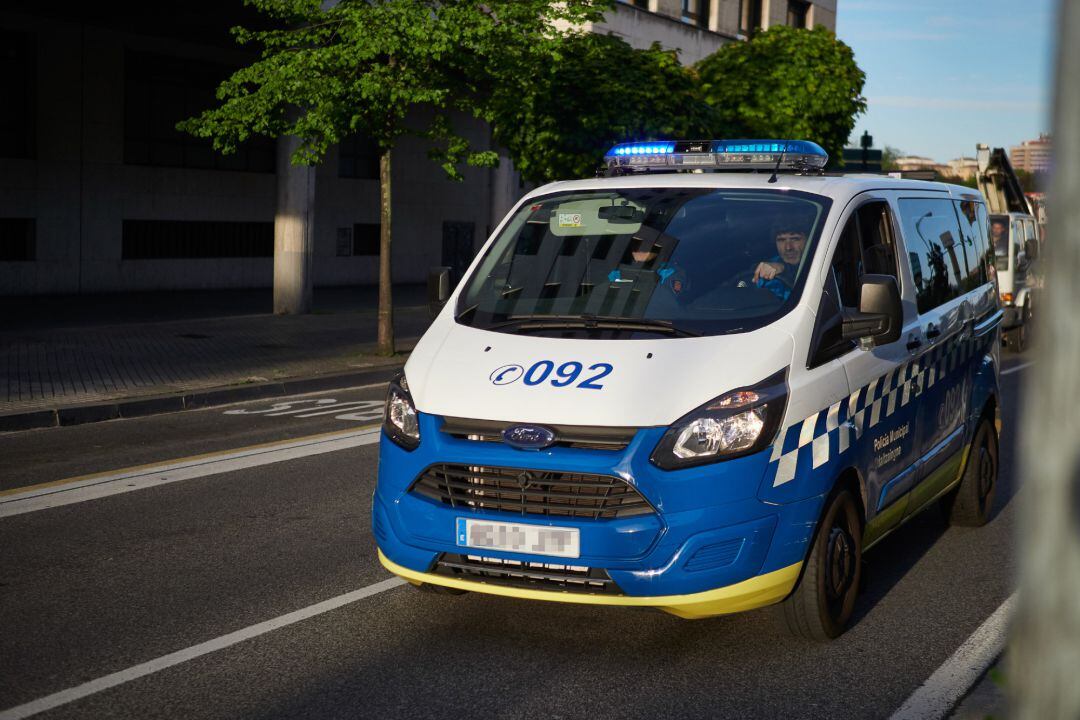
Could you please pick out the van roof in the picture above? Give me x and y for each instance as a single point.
(837, 187)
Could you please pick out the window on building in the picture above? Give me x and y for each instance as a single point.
(365, 240)
(935, 250)
(358, 157)
(160, 91)
(696, 12)
(798, 13)
(17, 83)
(192, 239)
(18, 240)
(750, 16)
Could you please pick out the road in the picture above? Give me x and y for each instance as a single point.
(97, 587)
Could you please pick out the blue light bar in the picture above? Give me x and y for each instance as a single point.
(643, 148)
(731, 155)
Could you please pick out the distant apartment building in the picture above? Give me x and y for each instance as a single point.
(964, 168)
(100, 193)
(1032, 155)
(908, 163)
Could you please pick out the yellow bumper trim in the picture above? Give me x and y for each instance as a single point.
(746, 595)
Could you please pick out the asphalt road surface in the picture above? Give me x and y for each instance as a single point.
(188, 555)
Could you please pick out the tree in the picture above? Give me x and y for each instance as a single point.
(888, 157)
(384, 68)
(787, 82)
(1045, 649)
(599, 91)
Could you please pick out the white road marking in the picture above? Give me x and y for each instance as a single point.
(1018, 368)
(939, 694)
(99, 486)
(181, 656)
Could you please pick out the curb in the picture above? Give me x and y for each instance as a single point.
(210, 397)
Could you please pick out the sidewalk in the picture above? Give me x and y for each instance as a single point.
(77, 359)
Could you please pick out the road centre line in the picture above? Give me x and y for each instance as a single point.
(936, 697)
(18, 501)
(181, 656)
(1018, 368)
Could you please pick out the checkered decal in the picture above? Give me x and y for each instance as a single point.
(832, 431)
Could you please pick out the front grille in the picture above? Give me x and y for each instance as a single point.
(575, 436)
(531, 575)
(531, 492)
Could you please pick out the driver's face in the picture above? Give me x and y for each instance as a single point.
(789, 245)
(998, 229)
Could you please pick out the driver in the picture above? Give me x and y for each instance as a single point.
(777, 274)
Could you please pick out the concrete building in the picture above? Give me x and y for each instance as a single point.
(100, 193)
(1032, 155)
(909, 163)
(964, 168)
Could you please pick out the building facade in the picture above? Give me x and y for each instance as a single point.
(1032, 155)
(100, 193)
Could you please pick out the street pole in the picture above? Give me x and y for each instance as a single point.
(294, 236)
(1044, 665)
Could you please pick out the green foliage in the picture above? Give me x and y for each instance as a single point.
(888, 157)
(787, 83)
(955, 180)
(373, 66)
(599, 91)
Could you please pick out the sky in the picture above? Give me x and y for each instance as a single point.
(943, 75)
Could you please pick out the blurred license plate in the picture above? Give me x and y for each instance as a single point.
(532, 539)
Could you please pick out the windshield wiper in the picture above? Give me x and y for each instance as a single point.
(591, 322)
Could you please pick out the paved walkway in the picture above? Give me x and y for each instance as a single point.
(66, 351)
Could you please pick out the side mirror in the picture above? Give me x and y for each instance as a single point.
(1031, 249)
(438, 289)
(881, 312)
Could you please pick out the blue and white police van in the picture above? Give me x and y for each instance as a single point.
(707, 382)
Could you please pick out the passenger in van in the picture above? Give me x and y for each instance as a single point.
(777, 274)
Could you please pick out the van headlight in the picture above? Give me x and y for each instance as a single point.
(399, 416)
(737, 423)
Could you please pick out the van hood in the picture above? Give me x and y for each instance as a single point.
(459, 371)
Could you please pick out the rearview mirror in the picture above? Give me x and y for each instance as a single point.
(438, 289)
(881, 312)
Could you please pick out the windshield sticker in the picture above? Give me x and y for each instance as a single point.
(570, 220)
(545, 372)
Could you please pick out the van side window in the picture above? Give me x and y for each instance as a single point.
(935, 252)
(866, 246)
(974, 242)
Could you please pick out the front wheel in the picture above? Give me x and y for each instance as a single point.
(822, 604)
(1017, 338)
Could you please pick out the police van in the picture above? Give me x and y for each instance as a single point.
(705, 383)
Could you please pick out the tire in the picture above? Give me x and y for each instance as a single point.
(1017, 338)
(433, 589)
(971, 503)
(823, 602)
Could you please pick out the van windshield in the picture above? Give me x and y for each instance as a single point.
(999, 235)
(648, 261)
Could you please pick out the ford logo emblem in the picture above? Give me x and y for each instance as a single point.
(528, 437)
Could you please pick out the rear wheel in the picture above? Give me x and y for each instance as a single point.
(970, 504)
(822, 604)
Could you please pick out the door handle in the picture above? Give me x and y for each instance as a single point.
(914, 345)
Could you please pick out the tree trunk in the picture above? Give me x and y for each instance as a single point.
(386, 308)
(294, 239)
(1044, 664)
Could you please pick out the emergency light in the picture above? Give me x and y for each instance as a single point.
(715, 155)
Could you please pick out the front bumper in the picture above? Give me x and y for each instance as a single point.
(746, 595)
(711, 547)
